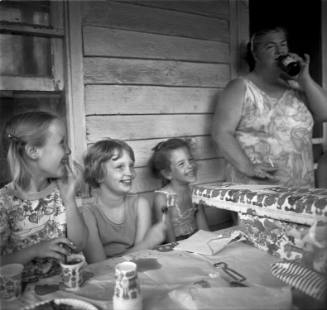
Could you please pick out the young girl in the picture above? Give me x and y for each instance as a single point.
(118, 222)
(172, 161)
(39, 220)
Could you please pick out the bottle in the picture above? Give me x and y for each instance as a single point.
(289, 65)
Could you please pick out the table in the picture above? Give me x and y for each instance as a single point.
(168, 277)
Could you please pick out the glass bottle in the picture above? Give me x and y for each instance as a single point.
(289, 65)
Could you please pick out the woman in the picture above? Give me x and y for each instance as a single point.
(263, 121)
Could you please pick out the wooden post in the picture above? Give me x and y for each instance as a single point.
(75, 110)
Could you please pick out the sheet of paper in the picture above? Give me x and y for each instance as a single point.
(207, 242)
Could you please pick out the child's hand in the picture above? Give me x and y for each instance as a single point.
(156, 234)
(72, 180)
(57, 248)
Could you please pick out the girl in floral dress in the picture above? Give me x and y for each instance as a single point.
(39, 220)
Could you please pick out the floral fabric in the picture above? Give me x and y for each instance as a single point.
(25, 222)
(290, 223)
(278, 131)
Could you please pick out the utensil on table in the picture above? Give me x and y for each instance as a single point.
(234, 278)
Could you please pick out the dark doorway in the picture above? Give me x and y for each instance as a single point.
(302, 19)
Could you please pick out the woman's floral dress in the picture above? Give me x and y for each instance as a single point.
(278, 131)
(25, 221)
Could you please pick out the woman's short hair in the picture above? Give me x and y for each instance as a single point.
(98, 154)
(25, 128)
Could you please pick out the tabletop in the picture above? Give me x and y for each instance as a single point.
(175, 279)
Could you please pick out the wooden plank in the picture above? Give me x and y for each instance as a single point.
(239, 36)
(139, 18)
(214, 8)
(57, 44)
(208, 171)
(121, 43)
(123, 99)
(202, 148)
(31, 30)
(74, 84)
(28, 83)
(147, 126)
(134, 71)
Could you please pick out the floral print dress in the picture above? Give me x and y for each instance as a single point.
(278, 131)
(25, 221)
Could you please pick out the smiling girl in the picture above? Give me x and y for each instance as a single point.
(173, 162)
(38, 212)
(118, 222)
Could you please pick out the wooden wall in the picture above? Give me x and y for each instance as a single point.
(153, 70)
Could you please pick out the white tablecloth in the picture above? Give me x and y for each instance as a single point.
(180, 280)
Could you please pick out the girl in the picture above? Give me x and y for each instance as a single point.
(118, 222)
(173, 163)
(36, 206)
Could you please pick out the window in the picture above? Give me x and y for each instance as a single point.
(31, 62)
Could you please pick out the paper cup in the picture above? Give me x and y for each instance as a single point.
(71, 272)
(11, 281)
(127, 295)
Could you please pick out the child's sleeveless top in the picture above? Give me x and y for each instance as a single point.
(28, 220)
(277, 130)
(116, 238)
(183, 220)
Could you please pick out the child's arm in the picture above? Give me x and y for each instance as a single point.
(160, 203)
(147, 236)
(77, 231)
(201, 218)
(47, 248)
(93, 251)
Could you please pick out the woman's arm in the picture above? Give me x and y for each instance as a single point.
(226, 118)
(315, 94)
(94, 250)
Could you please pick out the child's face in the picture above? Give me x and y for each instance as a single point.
(120, 173)
(182, 166)
(53, 153)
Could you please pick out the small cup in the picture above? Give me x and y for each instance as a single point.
(127, 295)
(11, 281)
(71, 272)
